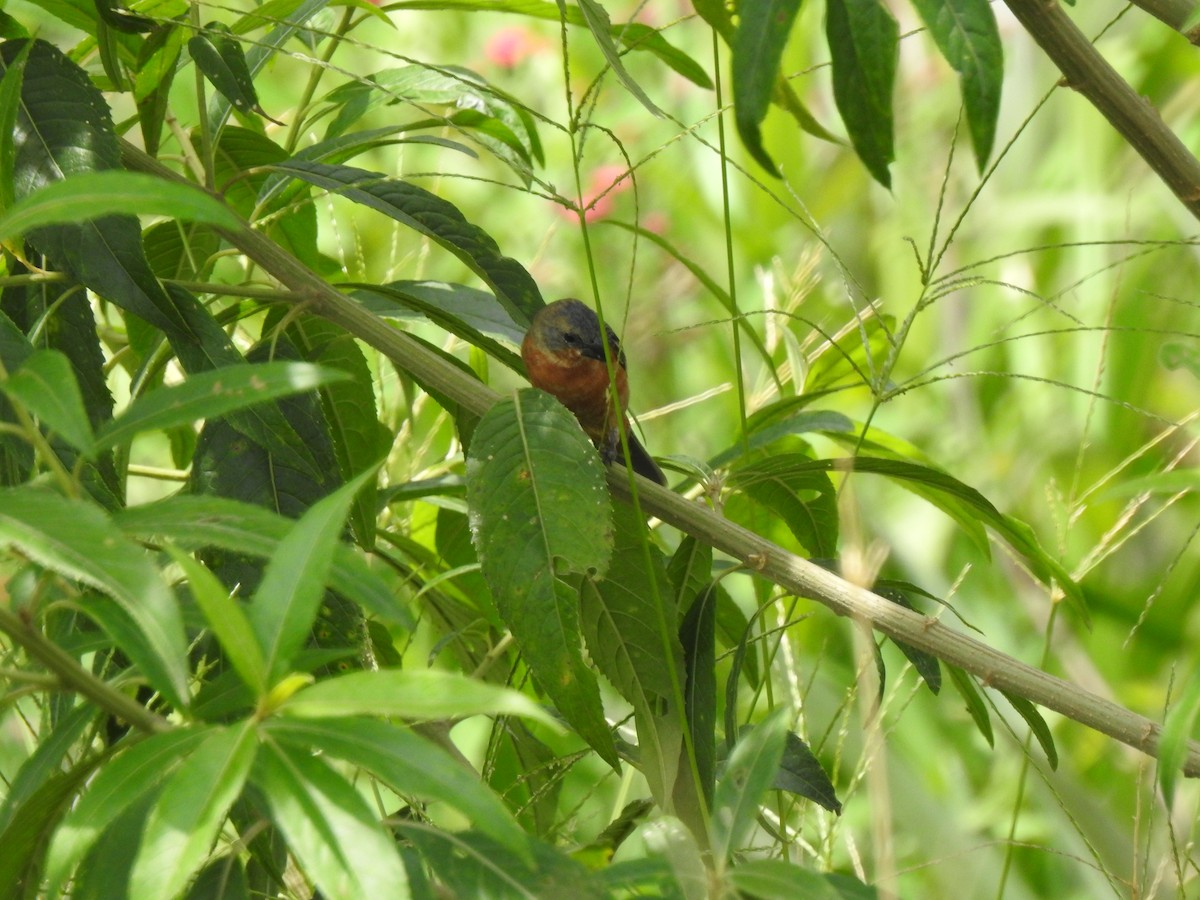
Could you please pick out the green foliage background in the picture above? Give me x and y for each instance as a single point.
(1017, 313)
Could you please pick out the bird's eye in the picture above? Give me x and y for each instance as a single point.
(570, 337)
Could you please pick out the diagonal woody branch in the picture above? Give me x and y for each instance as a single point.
(993, 668)
(1089, 73)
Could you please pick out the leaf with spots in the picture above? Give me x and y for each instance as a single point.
(540, 511)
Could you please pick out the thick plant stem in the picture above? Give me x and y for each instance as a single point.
(993, 668)
(73, 677)
(1089, 73)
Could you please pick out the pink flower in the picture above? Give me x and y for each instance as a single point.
(600, 197)
(511, 46)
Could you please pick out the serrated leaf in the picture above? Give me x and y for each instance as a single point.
(412, 694)
(966, 33)
(978, 710)
(757, 46)
(211, 394)
(539, 504)
(435, 218)
(199, 521)
(219, 57)
(801, 773)
(187, 816)
(864, 50)
(331, 832)
(45, 385)
(1036, 724)
(629, 623)
(76, 540)
(65, 130)
(410, 765)
(123, 781)
(286, 602)
(749, 774)
(94, 195)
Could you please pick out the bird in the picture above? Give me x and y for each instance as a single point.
(564, 356)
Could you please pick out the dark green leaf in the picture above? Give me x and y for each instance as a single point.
(864, 49)
(801, 773)
(220, 58)
(698, 636)
(211, 394)
(437, 219)
(965, 31)
(776, 879)
(539, 503)
(629, 623)
(598, 22)
(1036, 724)
(965, 685)
(757, 45)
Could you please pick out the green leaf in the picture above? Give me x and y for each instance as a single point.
(187, 816)
(598, 22)
(410, 765)
(965, 31)
(801, 773)
(358, 437)
(1036, 724)
(802, 498)
(775, 879)
(219, 57)
(698, 636)
(864, 50)
(926, 664)
(76, 540)
(435, 218)
(120, 783)
(211, 394)
(757, 45)
(226, 618)
(10, 102)
(965, 685)
(749, 774)
(93, 195)
(330, 831)
(286, 602)
(1176, 734)
(629, 623)
(539, 505)
(198, 521)
(45, 385)
(411, 694)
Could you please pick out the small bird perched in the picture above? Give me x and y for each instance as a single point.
(564, 356)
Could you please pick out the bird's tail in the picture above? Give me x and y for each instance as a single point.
(643, 462)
